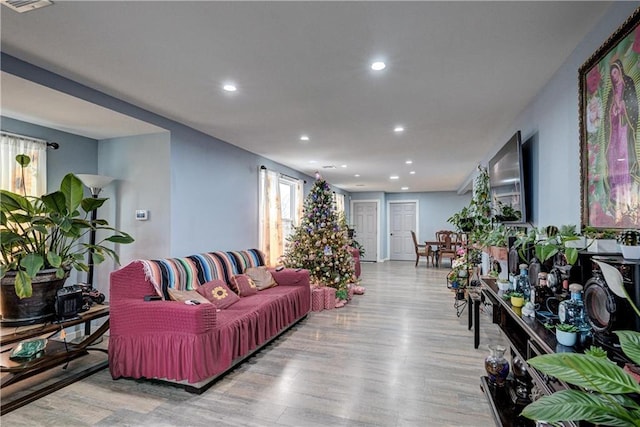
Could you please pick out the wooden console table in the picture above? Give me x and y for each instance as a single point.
(56, 353)
(527, 338)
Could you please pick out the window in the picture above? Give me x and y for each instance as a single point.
(288, 207)
(31, 181)
(280, 208)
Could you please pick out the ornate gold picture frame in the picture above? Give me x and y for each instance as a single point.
(609, 131)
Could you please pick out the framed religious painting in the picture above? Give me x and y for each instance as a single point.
(609, 131)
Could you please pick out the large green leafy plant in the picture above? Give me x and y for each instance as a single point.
(605, 393)
(476, 217)
(548, 242)
(48, 232)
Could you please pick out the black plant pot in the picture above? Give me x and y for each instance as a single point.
(466, 227)
(38, 308)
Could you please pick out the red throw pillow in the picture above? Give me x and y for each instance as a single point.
(243, 285)
(218, 293)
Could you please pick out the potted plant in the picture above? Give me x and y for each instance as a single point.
(548, 243)
(601, 240)
(507, 213)
(460, 275)
(41, 239)
(480, 207)
(497, 241)
(463, 220)
(630, 243)
(517, 299)
(606, 390)
(571, 237)
(566, 334)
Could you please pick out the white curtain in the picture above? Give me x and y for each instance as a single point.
(339, 202)
(33, 180)
(271, 243)
(299, 202)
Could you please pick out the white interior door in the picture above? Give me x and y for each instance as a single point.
(365, 221)
(402, 219)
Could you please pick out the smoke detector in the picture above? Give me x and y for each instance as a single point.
(22, 6)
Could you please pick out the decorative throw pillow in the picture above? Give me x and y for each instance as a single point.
(261, 277)
(243, 285)
(182, 296)
(218, 293)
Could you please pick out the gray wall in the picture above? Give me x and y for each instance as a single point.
(142, 183)
(550, 124)
(212, 185)
(76, 154)
(434, 208)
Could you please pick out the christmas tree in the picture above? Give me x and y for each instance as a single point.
(320, 243)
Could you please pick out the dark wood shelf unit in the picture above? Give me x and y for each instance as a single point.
(527, 338)
(505, 412)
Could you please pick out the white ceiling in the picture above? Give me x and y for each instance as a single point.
(458, 74)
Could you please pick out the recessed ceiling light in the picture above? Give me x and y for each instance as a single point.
(409, 162)
(313, 161)
(398, 129)
(412, 173)
(304, 138)
(378, 66)
(404, 188)
(229, 87)
(357, 175)
(394, 177)
(343, 166)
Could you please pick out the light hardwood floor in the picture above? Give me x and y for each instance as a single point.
(396, 356)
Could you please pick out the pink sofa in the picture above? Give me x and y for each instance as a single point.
(194, 345)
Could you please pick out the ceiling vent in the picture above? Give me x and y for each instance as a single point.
(22, 6)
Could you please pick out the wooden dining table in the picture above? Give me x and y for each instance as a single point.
(436, 251)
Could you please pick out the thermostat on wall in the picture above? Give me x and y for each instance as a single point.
(142, 215)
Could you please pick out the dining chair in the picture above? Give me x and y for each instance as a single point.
(449, 244)
(421, 250)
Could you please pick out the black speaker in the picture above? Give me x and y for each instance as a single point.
(606, 311)
(68, 302)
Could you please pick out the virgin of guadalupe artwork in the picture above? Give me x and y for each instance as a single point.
(620, 129)
(610, 143)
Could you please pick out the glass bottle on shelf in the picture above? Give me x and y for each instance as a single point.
(522, 283)
(514, 257)
(534, 270)
(572, 311)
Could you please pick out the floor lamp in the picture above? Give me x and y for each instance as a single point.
(95, 183)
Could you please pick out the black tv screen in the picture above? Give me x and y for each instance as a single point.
(506, 179)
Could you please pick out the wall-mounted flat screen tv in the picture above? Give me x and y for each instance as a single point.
(506, 179)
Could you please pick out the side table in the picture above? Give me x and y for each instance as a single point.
(474, 300)
(56, 353)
